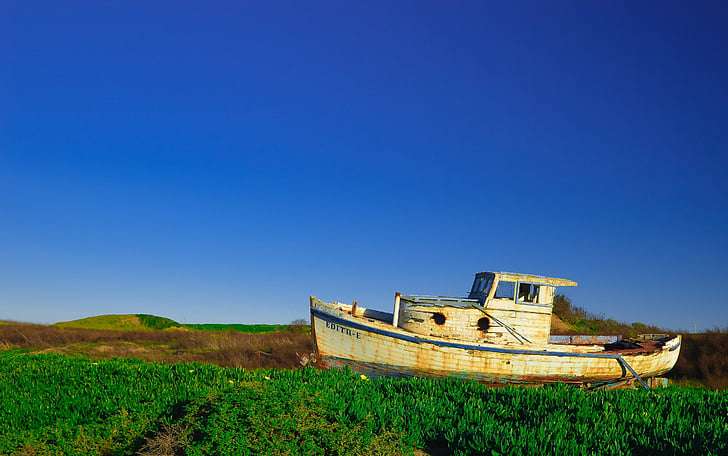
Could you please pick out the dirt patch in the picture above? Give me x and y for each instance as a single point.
(169, 441)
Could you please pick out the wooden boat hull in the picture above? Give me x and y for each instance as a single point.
(374, 347)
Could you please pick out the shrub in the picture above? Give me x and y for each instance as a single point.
(584, 322)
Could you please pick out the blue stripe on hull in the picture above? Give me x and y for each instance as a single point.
(443, 343)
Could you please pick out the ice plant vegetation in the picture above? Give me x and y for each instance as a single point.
(51, 404)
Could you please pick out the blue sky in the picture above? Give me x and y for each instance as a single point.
(219, 162)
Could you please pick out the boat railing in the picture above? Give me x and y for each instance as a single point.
(583, 339)
(656, 337)
(425, 299)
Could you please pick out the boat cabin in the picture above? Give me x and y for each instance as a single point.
(502, 307)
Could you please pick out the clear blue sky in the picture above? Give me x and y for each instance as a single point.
(220, 161)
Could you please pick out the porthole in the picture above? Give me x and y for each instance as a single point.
(438, 318)
(484, 324)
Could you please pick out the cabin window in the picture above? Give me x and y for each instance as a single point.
(528, 292)
(481, 286)
(505, 290)
(438, 318)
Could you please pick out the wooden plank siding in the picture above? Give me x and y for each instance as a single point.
(373, 346)
(532, 321)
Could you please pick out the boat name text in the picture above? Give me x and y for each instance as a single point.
(343, 330)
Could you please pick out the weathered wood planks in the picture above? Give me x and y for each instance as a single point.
(376, 346)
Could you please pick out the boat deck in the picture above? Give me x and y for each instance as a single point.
(577, 343)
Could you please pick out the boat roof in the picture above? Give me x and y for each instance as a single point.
(531, 278)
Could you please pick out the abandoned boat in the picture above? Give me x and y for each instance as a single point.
(500, 333)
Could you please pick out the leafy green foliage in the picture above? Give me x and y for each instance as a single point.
(60, 405)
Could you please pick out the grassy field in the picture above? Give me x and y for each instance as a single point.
(225, 348)
(66, 389)
(52, 404)
(256, 329)
(146, 322)
(703, 359)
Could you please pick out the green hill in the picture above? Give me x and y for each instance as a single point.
(124, 322)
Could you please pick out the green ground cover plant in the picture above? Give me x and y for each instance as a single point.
(53, 404)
